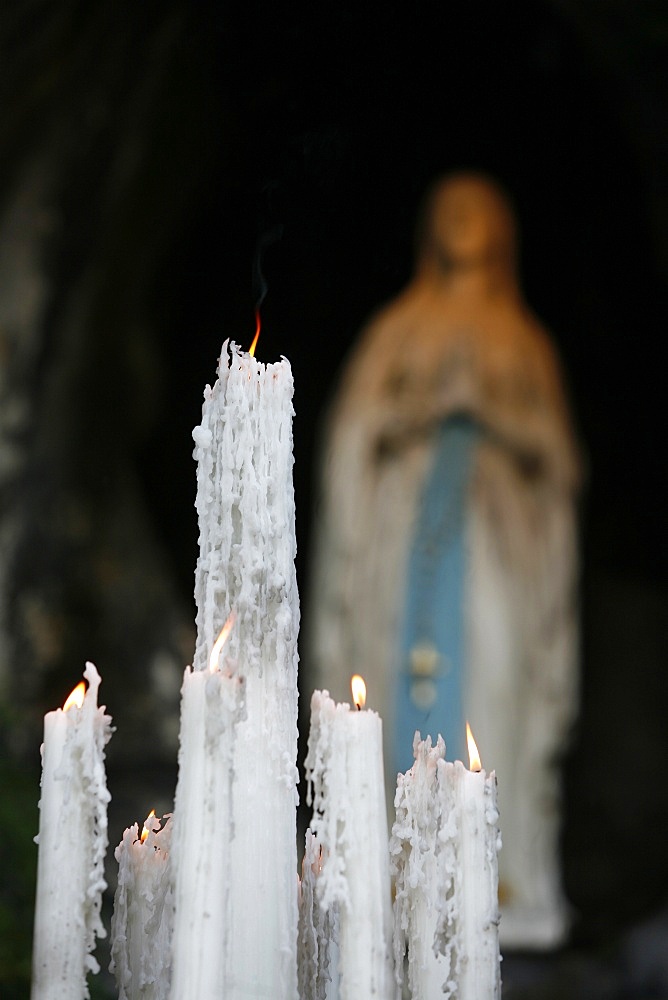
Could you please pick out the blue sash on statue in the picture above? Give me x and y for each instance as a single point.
(432, 636)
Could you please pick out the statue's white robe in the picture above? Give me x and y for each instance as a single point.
(418, 363)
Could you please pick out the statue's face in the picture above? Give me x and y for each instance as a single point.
(470, 223)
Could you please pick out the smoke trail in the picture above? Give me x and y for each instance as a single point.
(259, 281)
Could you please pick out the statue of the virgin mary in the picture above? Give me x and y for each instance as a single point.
(445, 569)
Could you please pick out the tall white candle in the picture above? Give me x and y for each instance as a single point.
(344, 768)
(211, 705)
(72, 844)
(141, 925)
(245, 504)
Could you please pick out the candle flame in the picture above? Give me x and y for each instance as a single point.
(359, 690)
(145, 832)
(474, 755)
(257, 334)
(220, 642)
(76, 698)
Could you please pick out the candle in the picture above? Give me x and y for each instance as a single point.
(245, 504)
(414, 867)
(141, 925)
(444, 856)
(318, 936)
(72, 844)
(344, 768)
(479, 841)
(211, 706)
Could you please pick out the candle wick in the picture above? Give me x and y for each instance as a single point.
(358, 706)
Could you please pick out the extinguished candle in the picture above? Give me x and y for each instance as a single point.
(72, 843)
(245, 505)
(414, 862)
(141, 925)
(317, 942)
(344, 768)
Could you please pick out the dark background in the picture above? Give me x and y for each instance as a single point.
(145, 151)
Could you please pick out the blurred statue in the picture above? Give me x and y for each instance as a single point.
(445, 563)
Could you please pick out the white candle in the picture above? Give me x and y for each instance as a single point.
(141, 925)
(72, 844)
(479, 842)
(211, 705)
(344, 768)
(318, 937)
(414, 866)
(245, 504)
(444, 849)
